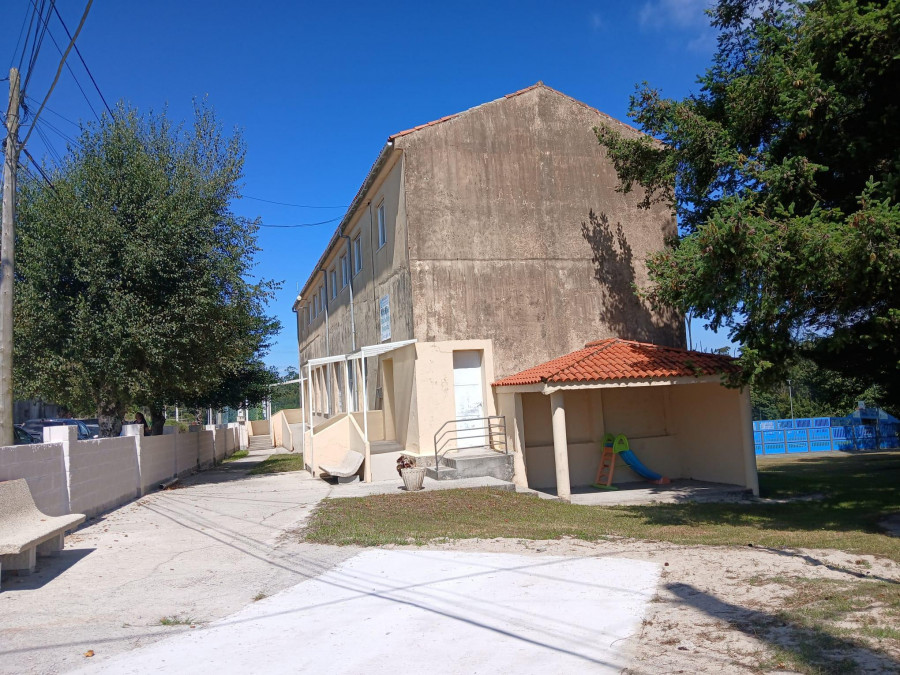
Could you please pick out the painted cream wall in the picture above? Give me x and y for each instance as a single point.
(710, 432)
(696, 431)
(423, 396)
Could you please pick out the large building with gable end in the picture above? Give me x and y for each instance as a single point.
(478, 245)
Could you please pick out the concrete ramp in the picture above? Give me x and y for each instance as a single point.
(441, 611)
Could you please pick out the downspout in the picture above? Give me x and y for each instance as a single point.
(350, 283)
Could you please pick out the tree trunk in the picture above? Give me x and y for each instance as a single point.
(157, 420)
(109, 419)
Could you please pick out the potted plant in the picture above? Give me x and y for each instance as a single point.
(413, 476)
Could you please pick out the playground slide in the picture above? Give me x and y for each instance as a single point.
(623, 451)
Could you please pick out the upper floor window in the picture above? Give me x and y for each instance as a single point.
(316, 303)
(322, 295)
(382, 236)
(345, 271)
(357, 255)
(333, 281)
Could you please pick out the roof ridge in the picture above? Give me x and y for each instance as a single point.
(593, 352)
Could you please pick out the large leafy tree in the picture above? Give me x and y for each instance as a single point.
(784, 170)
(133, 277)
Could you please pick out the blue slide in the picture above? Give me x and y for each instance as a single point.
(622, 450)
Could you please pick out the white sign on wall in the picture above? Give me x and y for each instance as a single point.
(384, 312)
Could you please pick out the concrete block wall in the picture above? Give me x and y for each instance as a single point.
(219, 439)
(157, 460)
(206, 448)
(187, 447)
(44, 467)
(103, 474)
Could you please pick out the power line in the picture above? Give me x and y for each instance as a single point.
(51, 110)
(81, 58)
(19, 41)
(40, 32)
(27, 36)
(299, 206)
(324, 222)
(39, 168)
(68, 67)
(59, 70)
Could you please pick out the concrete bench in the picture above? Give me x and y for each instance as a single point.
(345, 472)
(25, 531)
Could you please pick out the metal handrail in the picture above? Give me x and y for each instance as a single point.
(492, 426)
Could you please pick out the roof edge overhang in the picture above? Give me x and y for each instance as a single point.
(551, 387)
(380, 161)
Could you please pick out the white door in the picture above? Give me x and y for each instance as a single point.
(468, 391)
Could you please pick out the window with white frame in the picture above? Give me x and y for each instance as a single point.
(357, 255)
(345, 271)
(333, 280)
(382, 235)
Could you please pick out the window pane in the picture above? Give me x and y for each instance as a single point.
(381, 233)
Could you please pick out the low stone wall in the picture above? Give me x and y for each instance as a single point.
(66, 475)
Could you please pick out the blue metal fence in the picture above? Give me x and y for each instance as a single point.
(821, 434)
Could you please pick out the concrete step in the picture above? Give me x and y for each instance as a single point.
(442, 473)
(381, 447)
(472, 464)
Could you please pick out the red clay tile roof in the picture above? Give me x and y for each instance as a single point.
(616, 359)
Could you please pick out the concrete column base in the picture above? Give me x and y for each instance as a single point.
(24, 562)
(52, 546)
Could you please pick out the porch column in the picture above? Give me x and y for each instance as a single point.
(560, 446)
(348, 406)
(367, 471)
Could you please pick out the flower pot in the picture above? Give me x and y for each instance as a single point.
(413, 478)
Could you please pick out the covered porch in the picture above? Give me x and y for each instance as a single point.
(680, 420)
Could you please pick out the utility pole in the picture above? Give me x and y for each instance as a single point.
(7, 260)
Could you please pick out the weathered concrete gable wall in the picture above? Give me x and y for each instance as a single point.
(516, 233)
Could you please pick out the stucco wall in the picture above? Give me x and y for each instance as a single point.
(385, 271)
(708, 425)
(516, 233)
(682, 431)
(423, 389)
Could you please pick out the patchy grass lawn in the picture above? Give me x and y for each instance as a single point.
(832, 621)
(240, 454)
(859, 490)
(279, 464)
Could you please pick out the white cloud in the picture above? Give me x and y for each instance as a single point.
(658, 14)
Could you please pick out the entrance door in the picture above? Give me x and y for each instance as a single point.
(468, 391)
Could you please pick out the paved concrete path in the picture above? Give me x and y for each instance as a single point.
(199, 552)
(389, 611)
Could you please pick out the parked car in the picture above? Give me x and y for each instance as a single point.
(35, 427)
(22, 437)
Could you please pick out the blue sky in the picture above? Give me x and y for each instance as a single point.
(316, 88)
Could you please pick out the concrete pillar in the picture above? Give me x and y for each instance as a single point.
(560, 446)
(52, 546)
(67, 436)
(751, 479)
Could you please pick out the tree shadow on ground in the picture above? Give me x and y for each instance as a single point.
(813, 647)
(614, 270)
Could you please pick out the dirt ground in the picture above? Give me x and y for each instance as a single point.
(716, 610)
